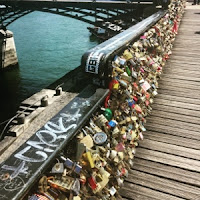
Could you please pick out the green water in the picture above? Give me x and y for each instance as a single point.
(48, 46)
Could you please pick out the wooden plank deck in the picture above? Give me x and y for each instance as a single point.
(167, 161)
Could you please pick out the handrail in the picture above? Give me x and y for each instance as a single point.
(95, 59)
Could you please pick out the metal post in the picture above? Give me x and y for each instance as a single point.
(3, 51)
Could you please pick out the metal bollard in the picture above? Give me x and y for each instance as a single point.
(21, 119)
(58, 91)
(44, 101)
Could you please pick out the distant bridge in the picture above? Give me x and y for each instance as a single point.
(89, 11)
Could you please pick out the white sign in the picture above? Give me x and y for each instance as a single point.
(92, 65)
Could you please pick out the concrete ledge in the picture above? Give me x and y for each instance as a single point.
(4, 144)
(34, 121)
(72, 83)
(8, 55)
(16, 129)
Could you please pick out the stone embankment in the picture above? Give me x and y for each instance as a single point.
(8, 54)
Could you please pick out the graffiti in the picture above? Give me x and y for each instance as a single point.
(76, 105)
(20, 155)
(39, 147)
(27, 163)
(22, 168)
(12, 181)
(48, 139)
(14, 184)
(74, 117)
(3, 196)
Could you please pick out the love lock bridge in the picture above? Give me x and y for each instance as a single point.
(118, 141)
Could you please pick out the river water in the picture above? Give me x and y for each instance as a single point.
(48, 46)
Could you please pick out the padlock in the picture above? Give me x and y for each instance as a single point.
(138, 108)
(58, 168)
(130, 162)
(141, 136)
(94, 127)
(82, 179)
(55, 194)
(67, 162)
(112, 191)
(37, 196)
(90, 130)
(113, 154)
(120, 147)
(103, 119)
(115, 132)
(102, 184)
(154, 93)
(87, 141)
(103, 172)
(145, 86)
(130, 154)
(127, 55)
(116, 160)
(114, 142)
(122, 61)
(43, 185)
(100, 138)
(65, 184)
(123, 130)
(74, 167)
(81, 148)
(112, 123)
(120, 181)
(92, 183)
(121, 155)
(117, 69)
(89, 158)
(77, 198)
(123, 83)
(77, 168)
(125, 77)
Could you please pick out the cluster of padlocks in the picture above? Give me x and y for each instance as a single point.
(105, 147)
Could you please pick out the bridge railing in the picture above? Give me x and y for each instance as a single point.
(20, 172)
(98, 60)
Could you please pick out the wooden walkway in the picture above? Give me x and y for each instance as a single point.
(167, 163)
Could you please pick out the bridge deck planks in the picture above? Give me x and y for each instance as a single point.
(167, 161)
